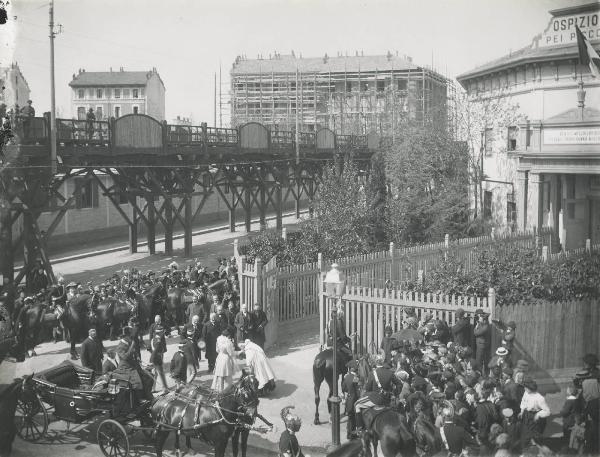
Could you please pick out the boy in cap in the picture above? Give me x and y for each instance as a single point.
(179, 365)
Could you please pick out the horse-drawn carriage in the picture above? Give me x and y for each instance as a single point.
(74, 395)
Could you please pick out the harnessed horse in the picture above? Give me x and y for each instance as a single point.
(197, 412)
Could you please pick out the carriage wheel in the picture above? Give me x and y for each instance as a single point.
(31, 419)
(112, 439)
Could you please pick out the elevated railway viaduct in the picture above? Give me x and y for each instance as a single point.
(158, 168)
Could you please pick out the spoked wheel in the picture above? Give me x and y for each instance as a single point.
(31, 418)
(112, 439)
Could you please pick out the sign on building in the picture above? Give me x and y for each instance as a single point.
(572, 136)
(562, 29)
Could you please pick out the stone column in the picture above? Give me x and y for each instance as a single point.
(521, 199)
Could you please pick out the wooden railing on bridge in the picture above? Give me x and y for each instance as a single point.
(102, 133)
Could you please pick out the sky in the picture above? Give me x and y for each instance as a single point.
(188, 41)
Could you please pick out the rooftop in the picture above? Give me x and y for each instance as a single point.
(290, 63)
(541, 47)
(112, 78)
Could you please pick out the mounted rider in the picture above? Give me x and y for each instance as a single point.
(379, 389)
(343, 341)
(130, 300)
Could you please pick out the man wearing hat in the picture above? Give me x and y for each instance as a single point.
(158, 347)
(483, 336)
(454, 437)
(500, 358)
(350, 390)
(27, 114)
(461, 330)
(179, 364)
(379, 388)
(129, 368)
(189, 349)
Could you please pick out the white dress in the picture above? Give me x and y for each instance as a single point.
(224, 365)
(257, 360)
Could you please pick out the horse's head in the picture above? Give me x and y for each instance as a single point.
(246, 393)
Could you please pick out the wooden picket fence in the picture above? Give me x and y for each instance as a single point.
(554, 335)
(292, 293)
(367, 311)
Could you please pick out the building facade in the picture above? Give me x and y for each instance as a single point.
(117, 93)
(350, 95)
(15, 88)
(544, 171)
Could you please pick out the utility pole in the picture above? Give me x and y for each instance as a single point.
(215, 104)
(220, 98)
(52, 94)
(297, 122)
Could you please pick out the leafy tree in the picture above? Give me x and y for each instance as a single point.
(427, 172)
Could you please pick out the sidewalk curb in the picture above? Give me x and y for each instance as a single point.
(159, 240)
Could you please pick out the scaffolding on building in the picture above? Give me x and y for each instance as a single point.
(347, 101)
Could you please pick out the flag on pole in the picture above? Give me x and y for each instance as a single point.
(587, 54)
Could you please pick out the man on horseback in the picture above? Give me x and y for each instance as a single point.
(379, 389)
(343, 341)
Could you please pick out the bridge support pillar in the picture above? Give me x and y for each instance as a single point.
(168, 228)
(6, 259)
(187, 230)
(133, 227)
(232, 218)
(151, 225)
(248, 208)
(278, 208)
(263, 207)
(29, 246)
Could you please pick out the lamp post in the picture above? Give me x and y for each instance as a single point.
(334, 284)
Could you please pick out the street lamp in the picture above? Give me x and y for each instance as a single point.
(334, 288)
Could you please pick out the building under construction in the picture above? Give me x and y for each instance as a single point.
(348, 94)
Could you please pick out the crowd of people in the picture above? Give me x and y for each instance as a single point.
(443, 375)
(225, 334)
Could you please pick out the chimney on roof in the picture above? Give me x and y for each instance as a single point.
(356, 53)
(293, 55)
(389, 56)
(325, 58)
(362, 54)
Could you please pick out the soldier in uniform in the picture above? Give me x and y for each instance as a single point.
(379, 388)
(350, 389)
(454, 438)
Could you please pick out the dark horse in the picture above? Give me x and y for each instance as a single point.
(323, 370)
(389, 429)
(9, 395)
(202, 413)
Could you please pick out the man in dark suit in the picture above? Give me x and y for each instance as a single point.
(92, 352)
(483, 334)
(195, 329)
(453, 437)
(210, 332)
(178, 366)
(350, 389)
(259, 322)
(157, 328)
(190, 355)
(243, 324)
(136, 337)
(461, 330)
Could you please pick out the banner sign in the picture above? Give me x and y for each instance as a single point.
(572, 136)
(562, 29)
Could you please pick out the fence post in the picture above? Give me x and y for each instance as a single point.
(243, 288)
(545, 253)
(322, 317)
(284, 233)
(392, 263)
(420, 277)
(493, 233)
(588, 246)
(446, 245)
(492, 302)
(258, 285)
(235, 248)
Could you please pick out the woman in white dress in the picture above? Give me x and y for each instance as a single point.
(258, 362)
(224, 365)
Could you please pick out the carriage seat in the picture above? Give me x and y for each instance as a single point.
(68, 375)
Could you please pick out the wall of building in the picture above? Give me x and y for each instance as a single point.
(155, 98)
(16, 89)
